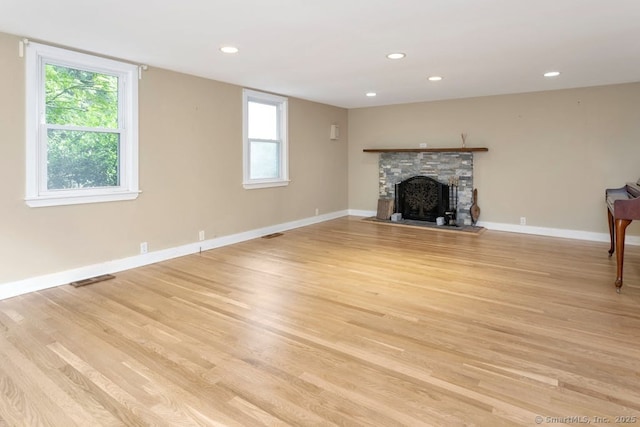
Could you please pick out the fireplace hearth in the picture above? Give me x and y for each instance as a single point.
(422, 198)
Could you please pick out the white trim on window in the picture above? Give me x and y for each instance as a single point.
(281, 140)
(37, 192)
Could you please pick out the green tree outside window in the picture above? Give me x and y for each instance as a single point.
(83, 139)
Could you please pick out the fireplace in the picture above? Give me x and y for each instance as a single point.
(395, 167)
(422, 198)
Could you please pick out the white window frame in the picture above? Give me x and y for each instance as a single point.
(37, 192)
(282, 117)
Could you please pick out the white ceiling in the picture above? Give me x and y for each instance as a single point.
(333, 51)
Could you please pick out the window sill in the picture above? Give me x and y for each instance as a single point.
(256, 185)
(44, 201)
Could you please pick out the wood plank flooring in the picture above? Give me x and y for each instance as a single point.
(341, 323)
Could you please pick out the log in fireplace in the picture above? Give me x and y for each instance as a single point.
(422, 198)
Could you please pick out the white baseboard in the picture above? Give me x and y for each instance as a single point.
(356, 212)
(32, 284)
(540, 231)
(556, 232)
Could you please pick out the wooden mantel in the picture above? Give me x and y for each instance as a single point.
(425, 150)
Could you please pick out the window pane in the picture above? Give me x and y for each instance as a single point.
(80, 98)
(82, 159)
(264, 160)
(263, 121)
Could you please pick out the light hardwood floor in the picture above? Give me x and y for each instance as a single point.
(341, 323)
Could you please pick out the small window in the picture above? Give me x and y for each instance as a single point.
(265, 140)
(82, 129)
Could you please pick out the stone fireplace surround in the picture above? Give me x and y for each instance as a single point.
(395, 167)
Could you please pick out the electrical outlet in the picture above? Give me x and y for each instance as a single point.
(317, 211)
(144, 248)
(201, 235)
(523, 220)
(423, 145)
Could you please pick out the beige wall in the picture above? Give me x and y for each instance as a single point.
(190, 176)
(551, 154)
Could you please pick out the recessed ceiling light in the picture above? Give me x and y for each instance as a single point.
(229, 49)
(371, 94)
(435, 78)
(552, 74)
(396, 55)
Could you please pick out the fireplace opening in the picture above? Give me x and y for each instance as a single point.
(422, 198)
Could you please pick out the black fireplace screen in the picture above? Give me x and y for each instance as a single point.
(422, 198)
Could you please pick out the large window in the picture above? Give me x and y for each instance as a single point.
(265, 140)
(82, 128)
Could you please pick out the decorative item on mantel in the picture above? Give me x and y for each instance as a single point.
(464, 139)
